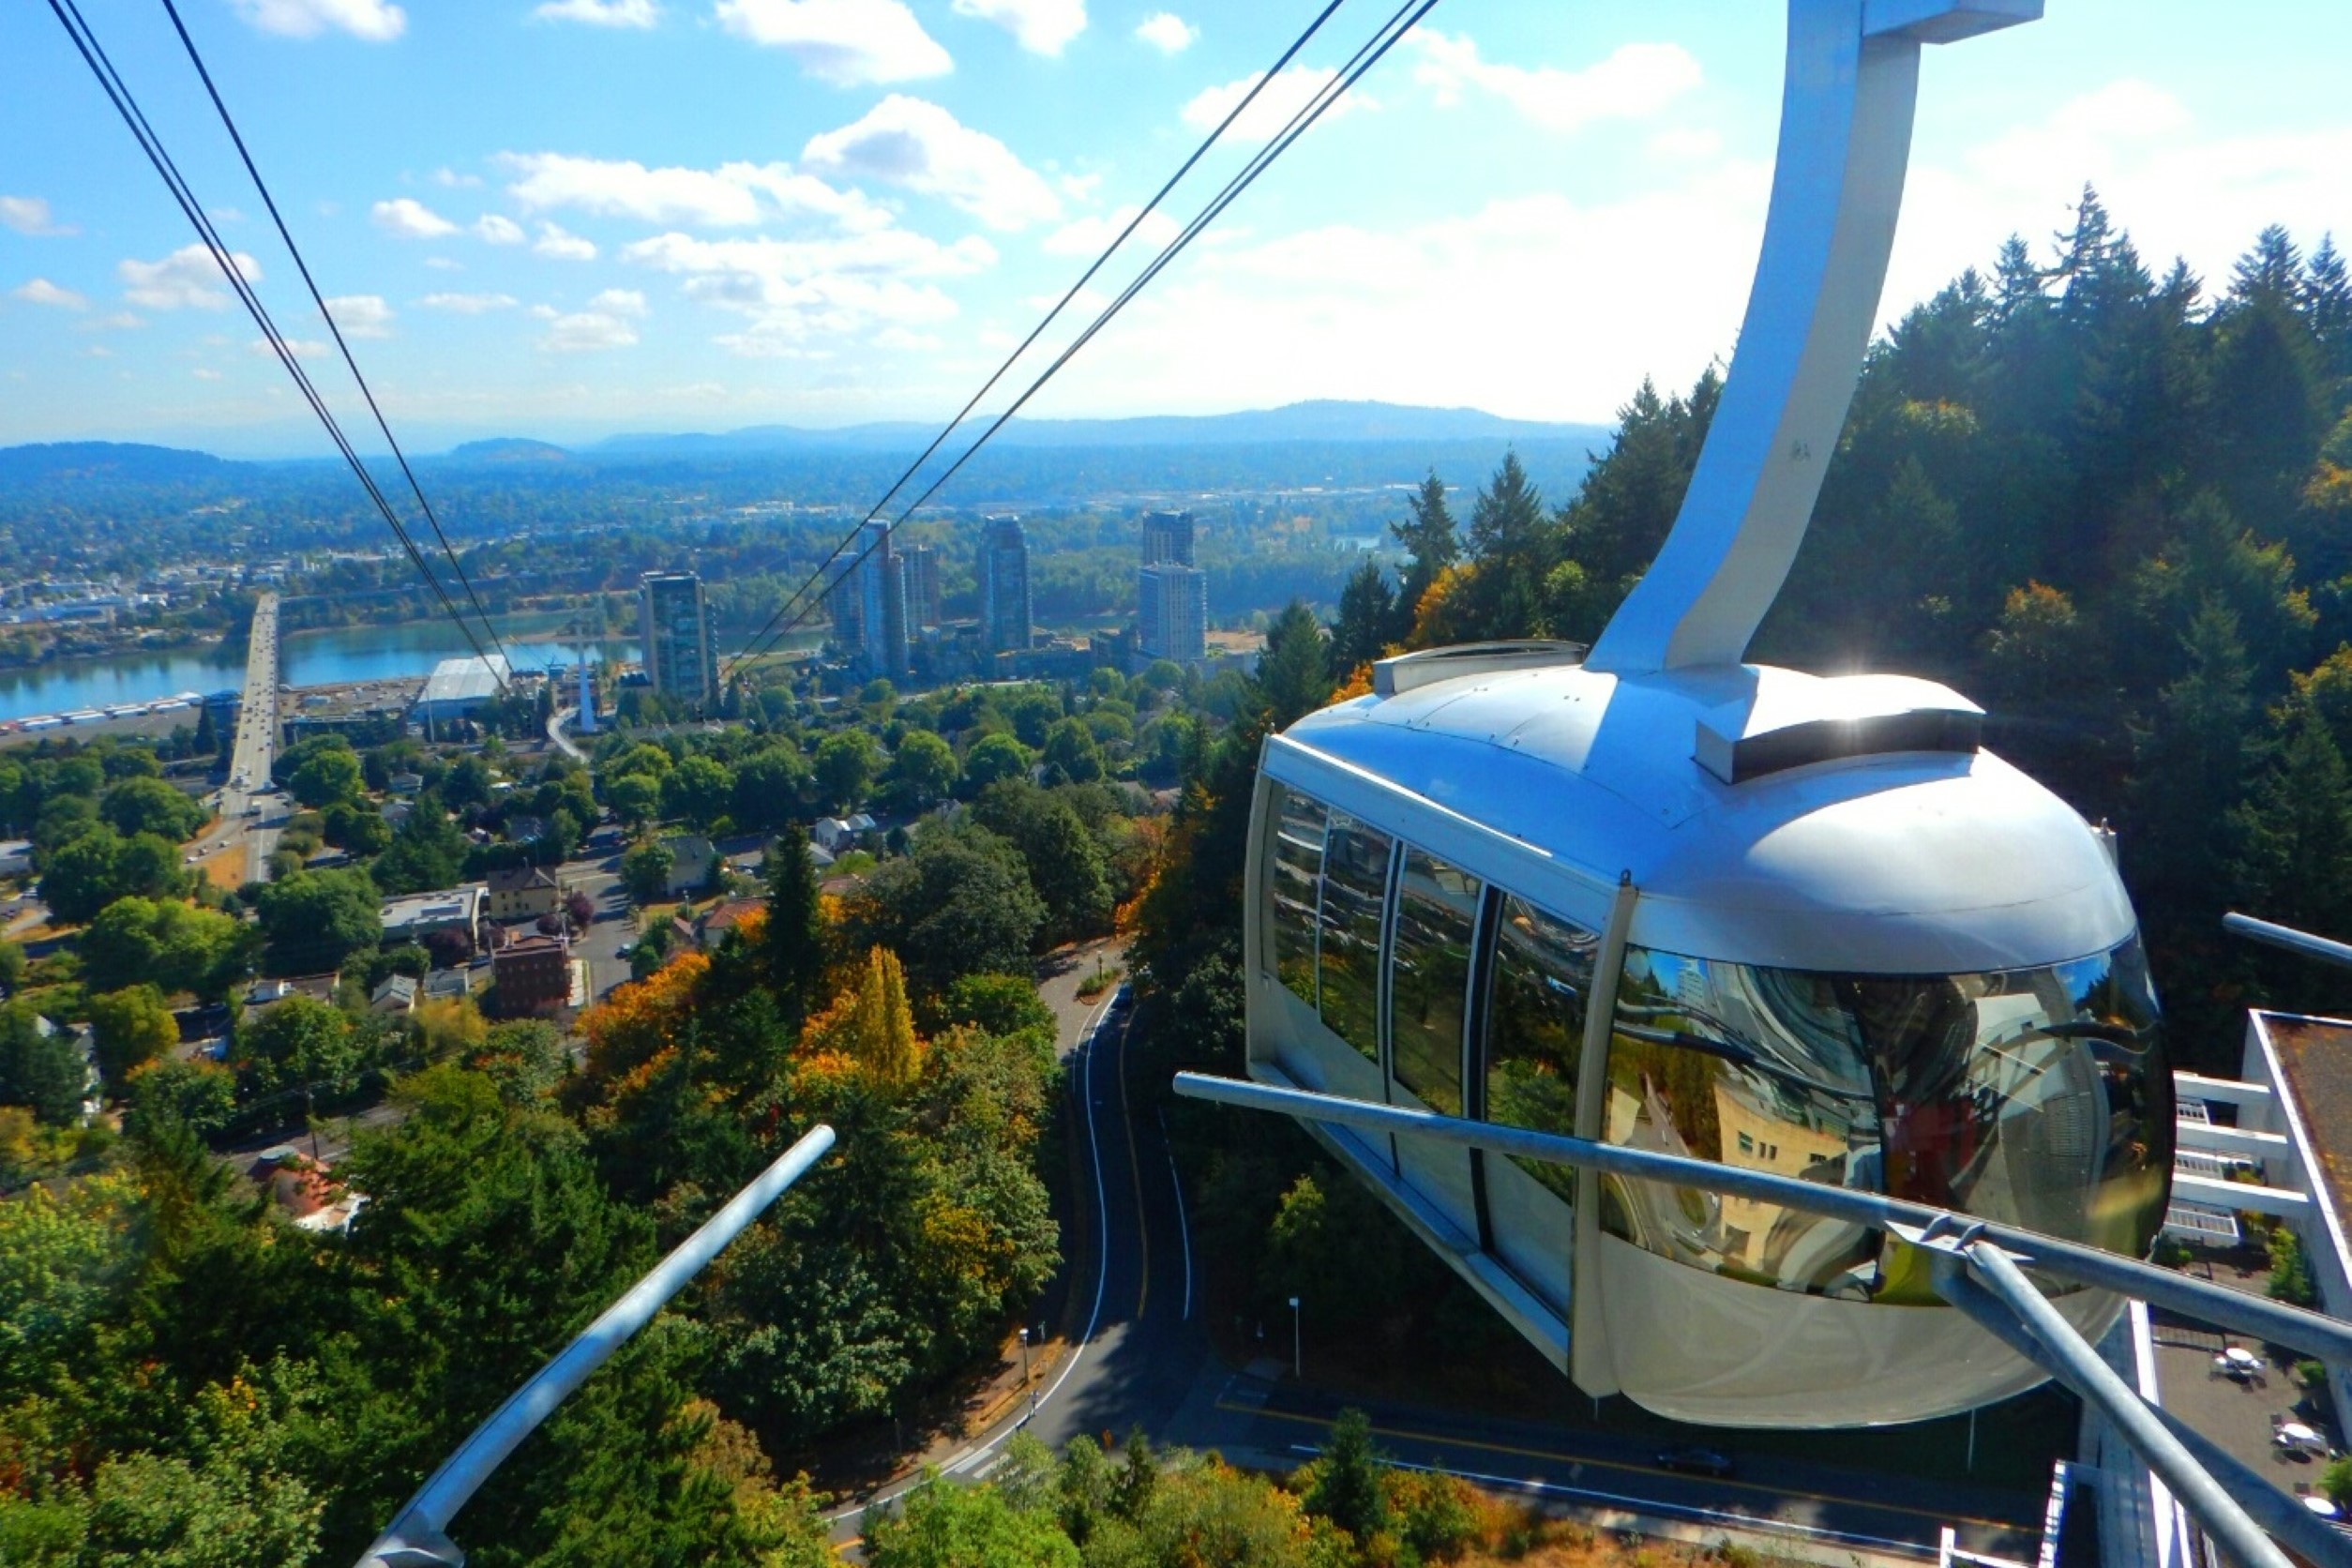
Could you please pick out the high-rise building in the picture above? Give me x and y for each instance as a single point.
(1171, 594)
(1167, 539)
(674, 623)
(1006, 614)
(1173, 612)
(869, 604)
(921, 568)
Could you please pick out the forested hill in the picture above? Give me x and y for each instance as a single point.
(2114, 505)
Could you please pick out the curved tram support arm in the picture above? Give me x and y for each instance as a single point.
(418, 1537)
(1837, 183)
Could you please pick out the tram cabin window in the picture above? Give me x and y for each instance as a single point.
(1355, 897)
(1536, 999)
(1437, 915)
(1294, 892)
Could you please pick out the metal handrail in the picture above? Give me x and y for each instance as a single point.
(418, 1534)
(1976, 1272)
(2287, 937)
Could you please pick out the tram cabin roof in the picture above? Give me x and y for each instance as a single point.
(1937, 857)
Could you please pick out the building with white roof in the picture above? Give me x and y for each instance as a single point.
(457, 686)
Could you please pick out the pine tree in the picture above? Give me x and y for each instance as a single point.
(1347, 1489)
(2294, 833)
(2326, 301)
(2269, 274)
(1428, 536)
(1367, 618)
(792, 942)
(1294, 671)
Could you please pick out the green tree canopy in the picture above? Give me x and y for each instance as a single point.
(133, 1026)
(137, 805)
(311, 921)
(845, 767)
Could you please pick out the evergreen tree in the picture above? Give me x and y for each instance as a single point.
(1428, 536)
(1367, 618)
(2294, 833)
(2327, 302)
(1347, 1487)
(792, 942)
(1294, 671)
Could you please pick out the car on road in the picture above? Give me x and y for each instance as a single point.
(1692, 1459)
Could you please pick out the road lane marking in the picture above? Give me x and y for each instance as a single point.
(1135, 1171)
(1184, 1228)
(1401, 1435)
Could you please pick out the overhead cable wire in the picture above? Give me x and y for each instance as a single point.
(126, 105)
(1400, 22)
(332, 325)
(1216, 132)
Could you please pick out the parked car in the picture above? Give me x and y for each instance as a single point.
(1690, 1459)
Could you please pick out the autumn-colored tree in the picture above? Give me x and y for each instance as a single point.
(871, 1026)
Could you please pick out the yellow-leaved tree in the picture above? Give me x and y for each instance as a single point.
(870, 1026)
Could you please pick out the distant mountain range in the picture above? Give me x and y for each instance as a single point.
(1031, 461)
(1329, 422)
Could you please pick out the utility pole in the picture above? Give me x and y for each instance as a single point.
(1025, 1382)
(1298, 1343)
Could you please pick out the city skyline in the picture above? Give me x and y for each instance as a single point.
(1522, 210)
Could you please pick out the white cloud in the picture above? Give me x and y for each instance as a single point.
(1167, 32)
(449, 179)
(563, 245)
(41, 291)
(442, 264)
(798, 295)
(1042, 26)
(202, 374)
(187, 279)
(361, 315)
(584, 331)
(600, 13)
(301, 348)
(1637, 81)
(495, 230)
(907, 142)
(408, 217)
(371, 20)
(1438, 313)
(468, 304)
(847, 43)
(1266, 116)
(121, 321)
(28, 215)
(2179, 188)
(912, 343)
(619, 302)
(1086, 237)
(733, 195)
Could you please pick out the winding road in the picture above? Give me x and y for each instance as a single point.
(1138, 1357)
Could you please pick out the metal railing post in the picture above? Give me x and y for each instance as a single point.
(418, 1535)
(2287, 937)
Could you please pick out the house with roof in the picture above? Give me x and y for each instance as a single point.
(723, 917)
(523, 893)
(693, 859)
(394, 997)
(531, 977)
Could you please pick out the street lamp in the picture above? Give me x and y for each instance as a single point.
(1025, 1382)
(1298, 1353)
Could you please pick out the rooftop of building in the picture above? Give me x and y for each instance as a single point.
(516, 879)
(446, 903)
(2315, 1058)
(464, 680)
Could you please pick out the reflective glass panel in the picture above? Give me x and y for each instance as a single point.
(1542, 973)
(1436, 911)
(2037, 1096)
(1355, 890)
(1292, 886)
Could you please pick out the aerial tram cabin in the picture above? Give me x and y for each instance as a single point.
(1659, 897)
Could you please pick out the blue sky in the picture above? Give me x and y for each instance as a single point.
(571, 219)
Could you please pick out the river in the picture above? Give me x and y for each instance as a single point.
(327, 657)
